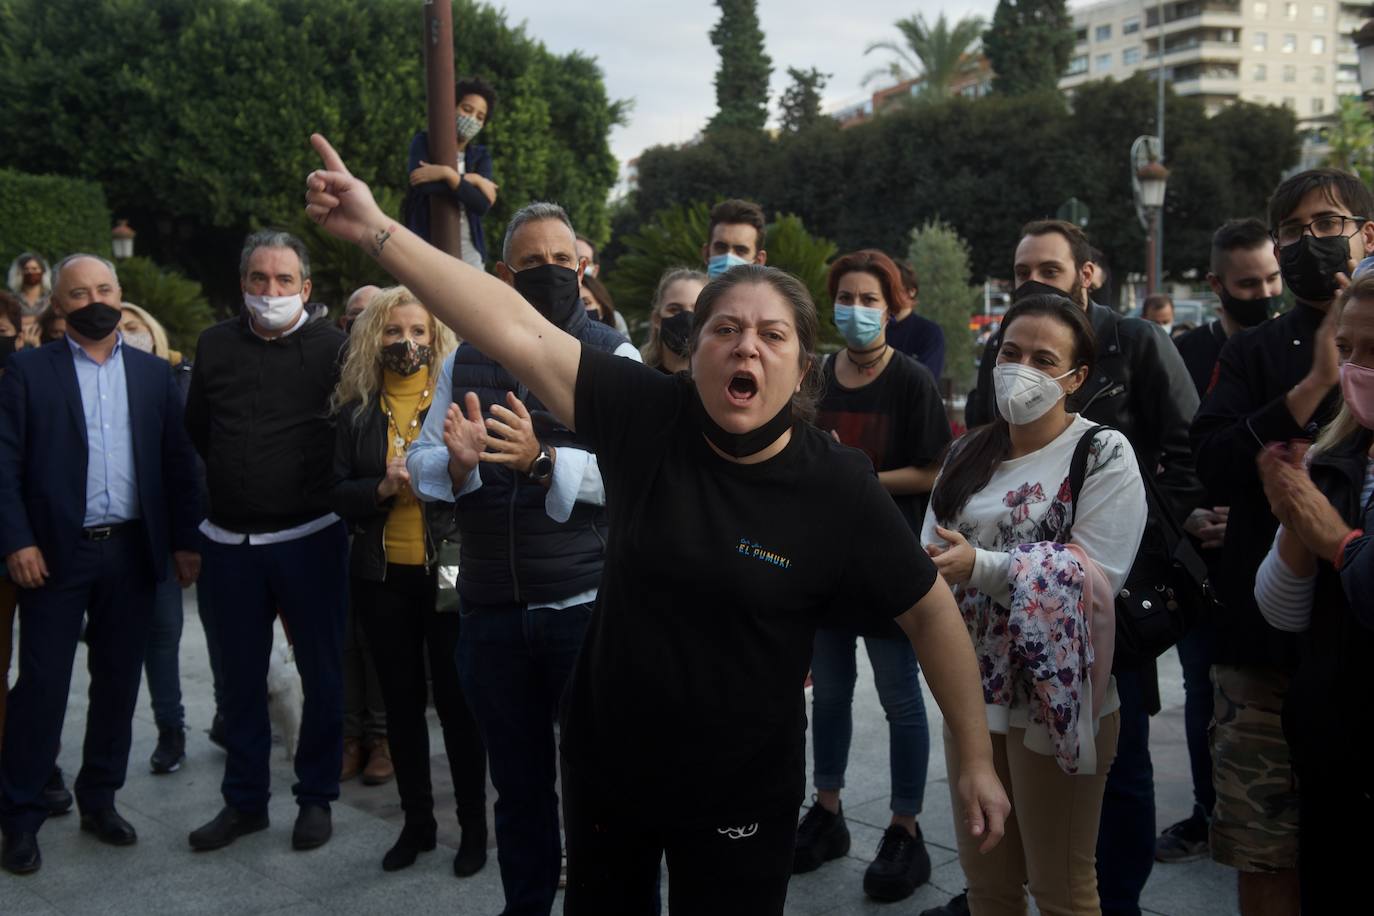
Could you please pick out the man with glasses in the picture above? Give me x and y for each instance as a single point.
(1269, 389)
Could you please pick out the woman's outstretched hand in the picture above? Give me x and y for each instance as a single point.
(341, 204)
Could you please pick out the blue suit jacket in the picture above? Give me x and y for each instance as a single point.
(43, 457)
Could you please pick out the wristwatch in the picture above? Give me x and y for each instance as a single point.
(541, 468)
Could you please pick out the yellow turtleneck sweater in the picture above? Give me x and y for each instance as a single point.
(407, 396)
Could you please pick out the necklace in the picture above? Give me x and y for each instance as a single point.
(864, 367)
(401, 441)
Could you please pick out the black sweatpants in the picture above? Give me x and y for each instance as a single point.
(402, 627)
(724, 870)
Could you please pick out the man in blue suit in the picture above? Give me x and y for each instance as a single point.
(97, 488)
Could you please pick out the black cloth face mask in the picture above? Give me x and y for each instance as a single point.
(675, 332)
(555, 292)
(96, 321)
(741, 445)
(1249, 312)
(406, 358)
(1309, 266)
(7, 348)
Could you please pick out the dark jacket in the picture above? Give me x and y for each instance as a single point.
(359, 465)
(476, 159)
(1201, 349)
(511, 550)
(257, 412)
(43, 455)
(1244, 411)
(1327, 717)
(1139, 386)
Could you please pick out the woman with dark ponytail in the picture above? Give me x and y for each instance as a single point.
(1035, 559)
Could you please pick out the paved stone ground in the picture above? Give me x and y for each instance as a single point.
(260, 874)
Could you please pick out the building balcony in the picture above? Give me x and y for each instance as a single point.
(1220, 87)
(1199, 52)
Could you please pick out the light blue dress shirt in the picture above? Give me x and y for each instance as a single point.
(111, 482)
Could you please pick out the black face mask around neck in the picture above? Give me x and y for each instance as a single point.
(555, 292)
(742, 445)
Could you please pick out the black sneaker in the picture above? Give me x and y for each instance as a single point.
(170, 752)
(1185, 841)
(901, 865)
(821, 836)
(958, 906)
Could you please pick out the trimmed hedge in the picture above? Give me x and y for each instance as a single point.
(51, 215)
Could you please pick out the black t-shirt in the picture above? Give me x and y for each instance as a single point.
(898, 420)
(686, 702)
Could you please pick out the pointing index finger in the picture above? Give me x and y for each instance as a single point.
(331, 159)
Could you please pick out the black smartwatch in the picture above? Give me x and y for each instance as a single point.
(541, 468)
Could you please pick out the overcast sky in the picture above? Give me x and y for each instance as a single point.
(659, 53)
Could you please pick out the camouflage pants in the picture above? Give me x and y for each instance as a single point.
(1255, 823)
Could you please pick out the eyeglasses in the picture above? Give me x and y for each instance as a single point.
(1321, 227)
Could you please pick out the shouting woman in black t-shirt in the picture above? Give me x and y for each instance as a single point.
(885, 404)
(683, 724)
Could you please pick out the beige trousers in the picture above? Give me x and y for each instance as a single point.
(1050, 847)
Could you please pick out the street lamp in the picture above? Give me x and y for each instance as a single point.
(1364, 45)
(1153, 178)
(122, 239)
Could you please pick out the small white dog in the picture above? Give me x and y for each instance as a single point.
(285, 696)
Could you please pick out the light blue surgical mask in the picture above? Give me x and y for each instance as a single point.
(860, 325)
(720, 263)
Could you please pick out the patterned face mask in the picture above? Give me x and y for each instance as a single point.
(405, 357)
(467, 125)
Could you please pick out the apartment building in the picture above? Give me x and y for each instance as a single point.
(1297, 53)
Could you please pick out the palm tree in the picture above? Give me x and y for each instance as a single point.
(939, 54)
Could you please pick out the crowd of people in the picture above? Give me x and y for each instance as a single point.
(657, 546)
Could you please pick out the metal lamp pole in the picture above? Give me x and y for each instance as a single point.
(1159, 118)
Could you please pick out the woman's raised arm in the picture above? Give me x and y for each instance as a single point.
(478, 307)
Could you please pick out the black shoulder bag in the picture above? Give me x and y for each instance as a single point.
(1167, 589)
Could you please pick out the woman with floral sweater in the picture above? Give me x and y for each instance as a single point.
(1035, 577)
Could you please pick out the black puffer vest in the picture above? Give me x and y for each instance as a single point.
(511, 550)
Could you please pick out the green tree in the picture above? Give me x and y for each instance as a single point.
(195, 115)
(940, 259)
(176, 302)
(1028, 45)
(674, 236)
(800, 104)
(938, 54)
(1352, 139)
(742, 80)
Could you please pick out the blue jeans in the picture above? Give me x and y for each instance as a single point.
(513, 664)
(1126, 838)
(1195, 652)
(162, 662)
(897, 677)
(307, 581)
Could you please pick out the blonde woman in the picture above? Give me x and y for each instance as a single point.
(384, 393)
(670, 322)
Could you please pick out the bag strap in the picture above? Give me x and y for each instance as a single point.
(1078, 471)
